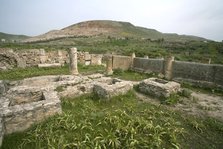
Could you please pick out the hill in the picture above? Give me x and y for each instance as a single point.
(12, 38)
(112, 29)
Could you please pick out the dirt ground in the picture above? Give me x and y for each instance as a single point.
(199, 104)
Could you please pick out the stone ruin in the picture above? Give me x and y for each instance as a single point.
(112, 88)
(32, 100)
(158, 87)
(29, 101)
(10, 58)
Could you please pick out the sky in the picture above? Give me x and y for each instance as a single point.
(202, 18)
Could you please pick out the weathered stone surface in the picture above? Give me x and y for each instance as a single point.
(24, 94)
(1, 130)
(2, 87)
(87, 56)
(73, 61)
(168, 67)
(96, 59)
(50, 65)
(10, 60)
(21, 117)
(106, 91)
(109, 70)
(158, 87)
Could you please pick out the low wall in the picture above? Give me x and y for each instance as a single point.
(148, 65)
(218, 71)
(199, 72)
(121, 62)
(195, 71)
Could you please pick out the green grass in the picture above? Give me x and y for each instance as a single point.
(131, 75)
(122, 122)
(19, 73)
(206, 90)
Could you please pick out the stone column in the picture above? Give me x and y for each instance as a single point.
(42, 56)
(209, 61)
(146, 57)
(132, 59)
(168, 67)
(60, 57)
(133, 55)
(73, 61)
(109, 66)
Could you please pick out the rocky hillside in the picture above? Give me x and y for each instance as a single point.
(112, 29)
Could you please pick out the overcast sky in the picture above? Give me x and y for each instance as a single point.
(193, 17)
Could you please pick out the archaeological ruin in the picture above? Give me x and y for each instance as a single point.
(31, 100)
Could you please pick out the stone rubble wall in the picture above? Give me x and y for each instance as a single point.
(39, 57)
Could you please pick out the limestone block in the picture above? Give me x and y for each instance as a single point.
(158, 87)
(106, 91)
(87, 56)
(20, 117)
(50, 65)
(96, 59)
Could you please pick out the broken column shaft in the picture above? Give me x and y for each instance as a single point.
(73, 61)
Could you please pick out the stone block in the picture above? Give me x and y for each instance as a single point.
(50, 65)
(158, 87)
(96, 59)
(18, 117)
(106, 91)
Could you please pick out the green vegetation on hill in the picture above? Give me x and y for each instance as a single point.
(197, 51)
(12, 38)
(111, 28)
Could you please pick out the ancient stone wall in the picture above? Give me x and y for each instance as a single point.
(33, 57)
(203, 74)
(9, 59)
(195, 71)
(39, 57)
(121, 62)
(218, 74)
(148, 65)
(199, 72)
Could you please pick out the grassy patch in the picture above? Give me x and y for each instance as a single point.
(208, 90)
(122, 122)
(131, 75)
(19, 73)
